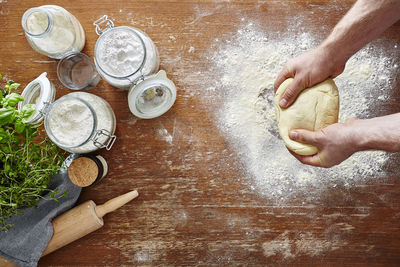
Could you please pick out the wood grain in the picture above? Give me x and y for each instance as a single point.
(196, 206)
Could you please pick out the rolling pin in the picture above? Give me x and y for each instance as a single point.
(78, 222)
(82, 220)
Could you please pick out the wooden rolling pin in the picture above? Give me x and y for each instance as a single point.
(78, 222)
(82, 220)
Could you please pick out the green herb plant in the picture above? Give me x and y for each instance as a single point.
(28, 159)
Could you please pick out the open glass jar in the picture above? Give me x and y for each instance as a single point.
(78, 122)
(123, 54)
(53, 31)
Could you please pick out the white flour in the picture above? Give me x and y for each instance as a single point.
(121, 52)
(37, 23)
(105, 120)
(71, 122)
(245, 67)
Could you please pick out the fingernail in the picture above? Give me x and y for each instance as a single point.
(293, 135)
(283, 103)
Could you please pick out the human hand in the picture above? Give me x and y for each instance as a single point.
(335, 143)
(307, 70)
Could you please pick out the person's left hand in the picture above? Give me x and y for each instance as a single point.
(335, 143)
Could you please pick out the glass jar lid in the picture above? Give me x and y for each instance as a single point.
(120, 52)
(70, 122)
(152, 97)
(41, 93)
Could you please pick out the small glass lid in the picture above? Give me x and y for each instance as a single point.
(152, 97)
(120, 52)
(39, 92)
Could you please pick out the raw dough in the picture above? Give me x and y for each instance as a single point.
(315, 108)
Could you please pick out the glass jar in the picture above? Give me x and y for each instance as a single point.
(123, 55)
(78, 122)
(53, 31)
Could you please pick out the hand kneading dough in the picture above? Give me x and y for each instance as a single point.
(315, 108)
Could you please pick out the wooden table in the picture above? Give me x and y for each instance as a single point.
(194, 207)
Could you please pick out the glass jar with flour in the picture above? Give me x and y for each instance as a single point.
(53, 31)
(78, 122)
(123, 54)
(127, 58)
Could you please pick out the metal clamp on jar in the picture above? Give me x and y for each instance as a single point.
(78, 122)
(127, 58)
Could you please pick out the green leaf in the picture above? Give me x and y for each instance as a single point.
(19, 126)
(7, 115)
(27, 111)
(14, 86)
(12, 99)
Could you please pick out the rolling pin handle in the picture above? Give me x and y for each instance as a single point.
(115, 203)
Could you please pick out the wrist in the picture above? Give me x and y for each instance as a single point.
(380, 133)
(360, 138)
(333, 54)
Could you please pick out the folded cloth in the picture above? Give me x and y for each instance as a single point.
(25, 242)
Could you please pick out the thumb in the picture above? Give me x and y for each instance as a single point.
(291, 93)
(304, 136)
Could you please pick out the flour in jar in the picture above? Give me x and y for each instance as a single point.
(53, 31)
(121, 52)
(105, 120)
(71, 122)
(37, 23)
(77, 119)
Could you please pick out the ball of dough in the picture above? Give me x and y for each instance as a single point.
(315, 108)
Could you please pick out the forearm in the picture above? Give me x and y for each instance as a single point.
(365, 21)
(381, 133)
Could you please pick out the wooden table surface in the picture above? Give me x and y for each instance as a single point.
(196, 206)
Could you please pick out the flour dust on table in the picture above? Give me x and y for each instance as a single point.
(244, 68)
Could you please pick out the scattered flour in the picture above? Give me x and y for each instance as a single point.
(245, 67)
(163, 133)
(290, 244)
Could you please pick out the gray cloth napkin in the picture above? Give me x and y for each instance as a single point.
(25, 243)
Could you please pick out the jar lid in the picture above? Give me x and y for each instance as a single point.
(120, 52)
(70, 122)
(84, 171)
(41, 93)
(152, 97)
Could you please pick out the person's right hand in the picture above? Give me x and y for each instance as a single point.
(307, 70)
(335, 143)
